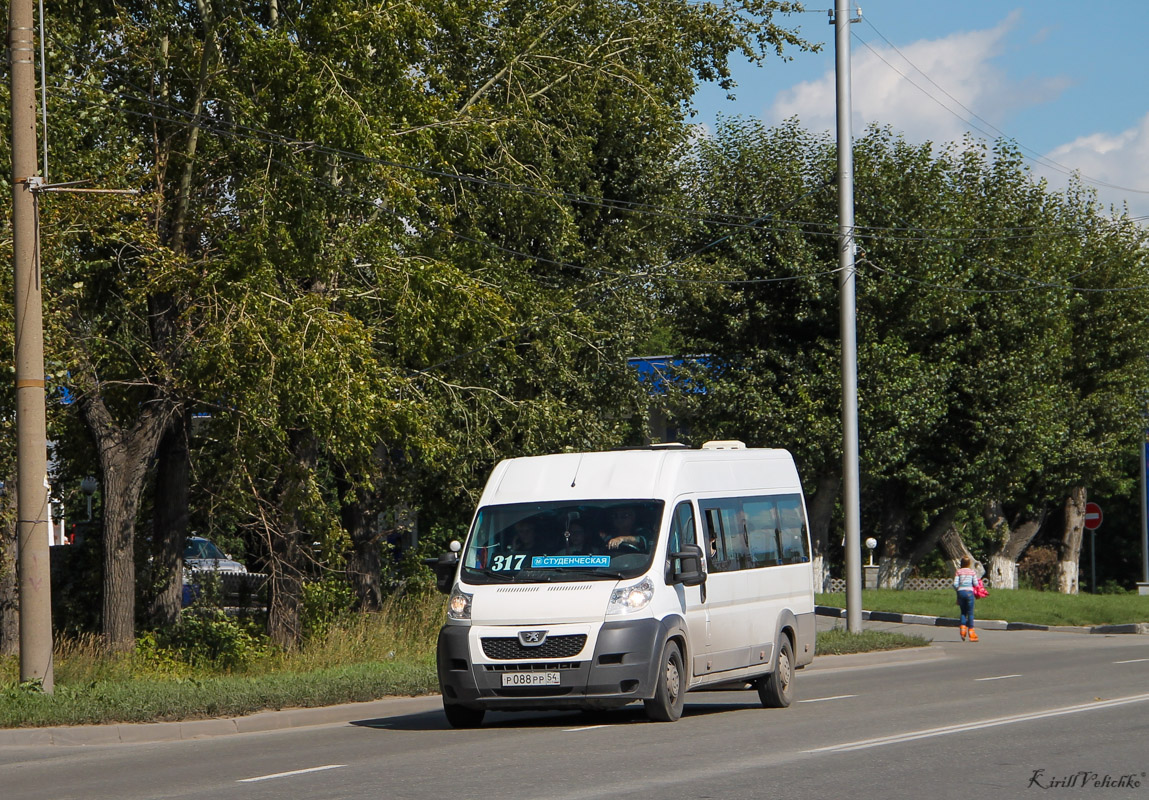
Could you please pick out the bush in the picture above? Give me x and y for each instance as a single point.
(1038, 568)
(206, 638)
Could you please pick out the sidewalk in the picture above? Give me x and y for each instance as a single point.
(983, 624)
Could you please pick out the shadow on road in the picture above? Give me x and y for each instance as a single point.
(627, 715)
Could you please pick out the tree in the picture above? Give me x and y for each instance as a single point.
(362, 224)
(963, 388)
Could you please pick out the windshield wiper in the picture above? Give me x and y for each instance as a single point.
(490, 573)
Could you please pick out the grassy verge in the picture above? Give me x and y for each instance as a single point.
(1015, 605)
(840, 642)
(219, 669)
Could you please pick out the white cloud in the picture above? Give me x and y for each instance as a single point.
(892, 89)
(1120, 160)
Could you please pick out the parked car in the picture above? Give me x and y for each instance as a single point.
(204, 556)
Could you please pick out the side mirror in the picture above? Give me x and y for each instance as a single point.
(444, 567)
(686, 566)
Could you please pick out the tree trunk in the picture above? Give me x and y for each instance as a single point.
(1069, 551)
(894, 569)
(287, 558)
(170, 522)
(1003, 562)
(892, 532)
(9, 586)
(364, 564)
(820, 506)
(124, 459)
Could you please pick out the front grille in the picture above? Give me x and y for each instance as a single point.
(510, 648)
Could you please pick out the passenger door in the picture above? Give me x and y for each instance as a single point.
(683, 531)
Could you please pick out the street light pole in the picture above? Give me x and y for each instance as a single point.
(32, 524)
(851, 493)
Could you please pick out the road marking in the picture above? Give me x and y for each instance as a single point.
(824, 699)
(587, 728)
(1132, 661)
(909, 736)
(997, 678)
(289, 774)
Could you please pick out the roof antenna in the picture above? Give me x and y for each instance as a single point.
(574, 478)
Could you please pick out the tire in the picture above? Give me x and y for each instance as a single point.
(776, 690)
(670, 689)
(463, 717)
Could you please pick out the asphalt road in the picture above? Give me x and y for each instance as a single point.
(1019, 714)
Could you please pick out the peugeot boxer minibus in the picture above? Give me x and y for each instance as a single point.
(593, 580)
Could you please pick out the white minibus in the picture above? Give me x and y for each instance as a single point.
(593, 580)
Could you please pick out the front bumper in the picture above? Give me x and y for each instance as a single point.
(622, 668)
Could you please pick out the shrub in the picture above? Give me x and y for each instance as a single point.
(1038, 568)
(210, 638)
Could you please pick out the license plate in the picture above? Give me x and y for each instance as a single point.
(530, 679)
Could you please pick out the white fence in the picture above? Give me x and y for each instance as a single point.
(910, 584)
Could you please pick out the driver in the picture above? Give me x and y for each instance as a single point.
(623, 530)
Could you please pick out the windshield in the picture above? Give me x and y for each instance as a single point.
(562, 541)
(202, 548)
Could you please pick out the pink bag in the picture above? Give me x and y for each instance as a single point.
(979, 590)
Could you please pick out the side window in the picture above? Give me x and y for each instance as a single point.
(727, 545)
(681, 527)
(766, 523)
(682, 531)
(792, 539)
(749, 532)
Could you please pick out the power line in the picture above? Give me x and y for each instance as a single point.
(1037, 157)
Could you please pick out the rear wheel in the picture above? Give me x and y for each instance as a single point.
(463, 717)
(670, 691)
(776, 689)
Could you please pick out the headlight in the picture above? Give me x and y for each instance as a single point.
(628, 599)
(458, 604)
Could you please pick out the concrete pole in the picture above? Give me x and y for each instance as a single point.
(851, 493)
(33, 522)
(1145, 508)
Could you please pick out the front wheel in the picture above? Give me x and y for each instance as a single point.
(776, 690)
(670, 691)
(463, 717)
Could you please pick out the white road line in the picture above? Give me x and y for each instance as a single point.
(997, 678)
(973, 726)
(587, 728)
(824, 699)
(1132, 661)
(289, 774)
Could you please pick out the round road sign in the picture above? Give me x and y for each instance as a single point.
(1092, 516)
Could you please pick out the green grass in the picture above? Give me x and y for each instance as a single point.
(225, 696)
(839, 642)
(1015, 605)
(229, 673)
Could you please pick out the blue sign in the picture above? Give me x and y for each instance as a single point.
(543, 562)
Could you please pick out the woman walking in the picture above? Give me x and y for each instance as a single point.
(964, 580)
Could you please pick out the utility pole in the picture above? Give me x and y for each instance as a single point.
(851, 493)
(32, 523)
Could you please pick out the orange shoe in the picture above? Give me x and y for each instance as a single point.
(972, 635)
(963, 632)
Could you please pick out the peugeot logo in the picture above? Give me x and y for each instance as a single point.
(532, 638)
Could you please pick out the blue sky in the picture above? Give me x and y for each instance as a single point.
(1065, 79)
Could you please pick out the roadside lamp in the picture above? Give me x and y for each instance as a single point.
(89, 486)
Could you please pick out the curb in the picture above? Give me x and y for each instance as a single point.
(984, 624)
(150, 732)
